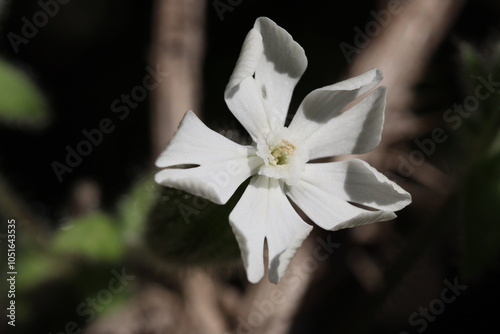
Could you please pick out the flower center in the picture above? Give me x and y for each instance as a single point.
(280, 153)
(281, 158)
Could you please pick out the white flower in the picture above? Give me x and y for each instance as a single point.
(206, 164)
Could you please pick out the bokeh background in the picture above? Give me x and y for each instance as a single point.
(105, 217)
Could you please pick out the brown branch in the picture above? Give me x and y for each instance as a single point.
(402, 52)
(202, 303)
(269, 308)
(178, 49)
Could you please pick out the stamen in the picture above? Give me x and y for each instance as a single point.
(280, 153)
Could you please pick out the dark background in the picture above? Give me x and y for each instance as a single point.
(92, 51)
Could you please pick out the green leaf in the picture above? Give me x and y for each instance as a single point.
(37, 267)
(188, 230)
(95, 237)
(21, 102)
(134, 208)
(482, 210)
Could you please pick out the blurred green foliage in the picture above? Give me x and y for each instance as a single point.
(134, 207)
(172, 227)
(481, 184)
(38, 267)
(21, 102)
(96, 237)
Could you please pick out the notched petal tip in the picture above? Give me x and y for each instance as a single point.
(205, 163)
(265, 213)
(251, 248)
(281, 49)
(279, 263)
(248, 60)
(343, 194)
(274, 62)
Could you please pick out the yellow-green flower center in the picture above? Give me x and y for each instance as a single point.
(281, 152)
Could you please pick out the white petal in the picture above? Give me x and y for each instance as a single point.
(325, 189)
(271, 55)
(323, 104)
(245, 102)
(205, 163)
(355, 131)
(264, 212)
